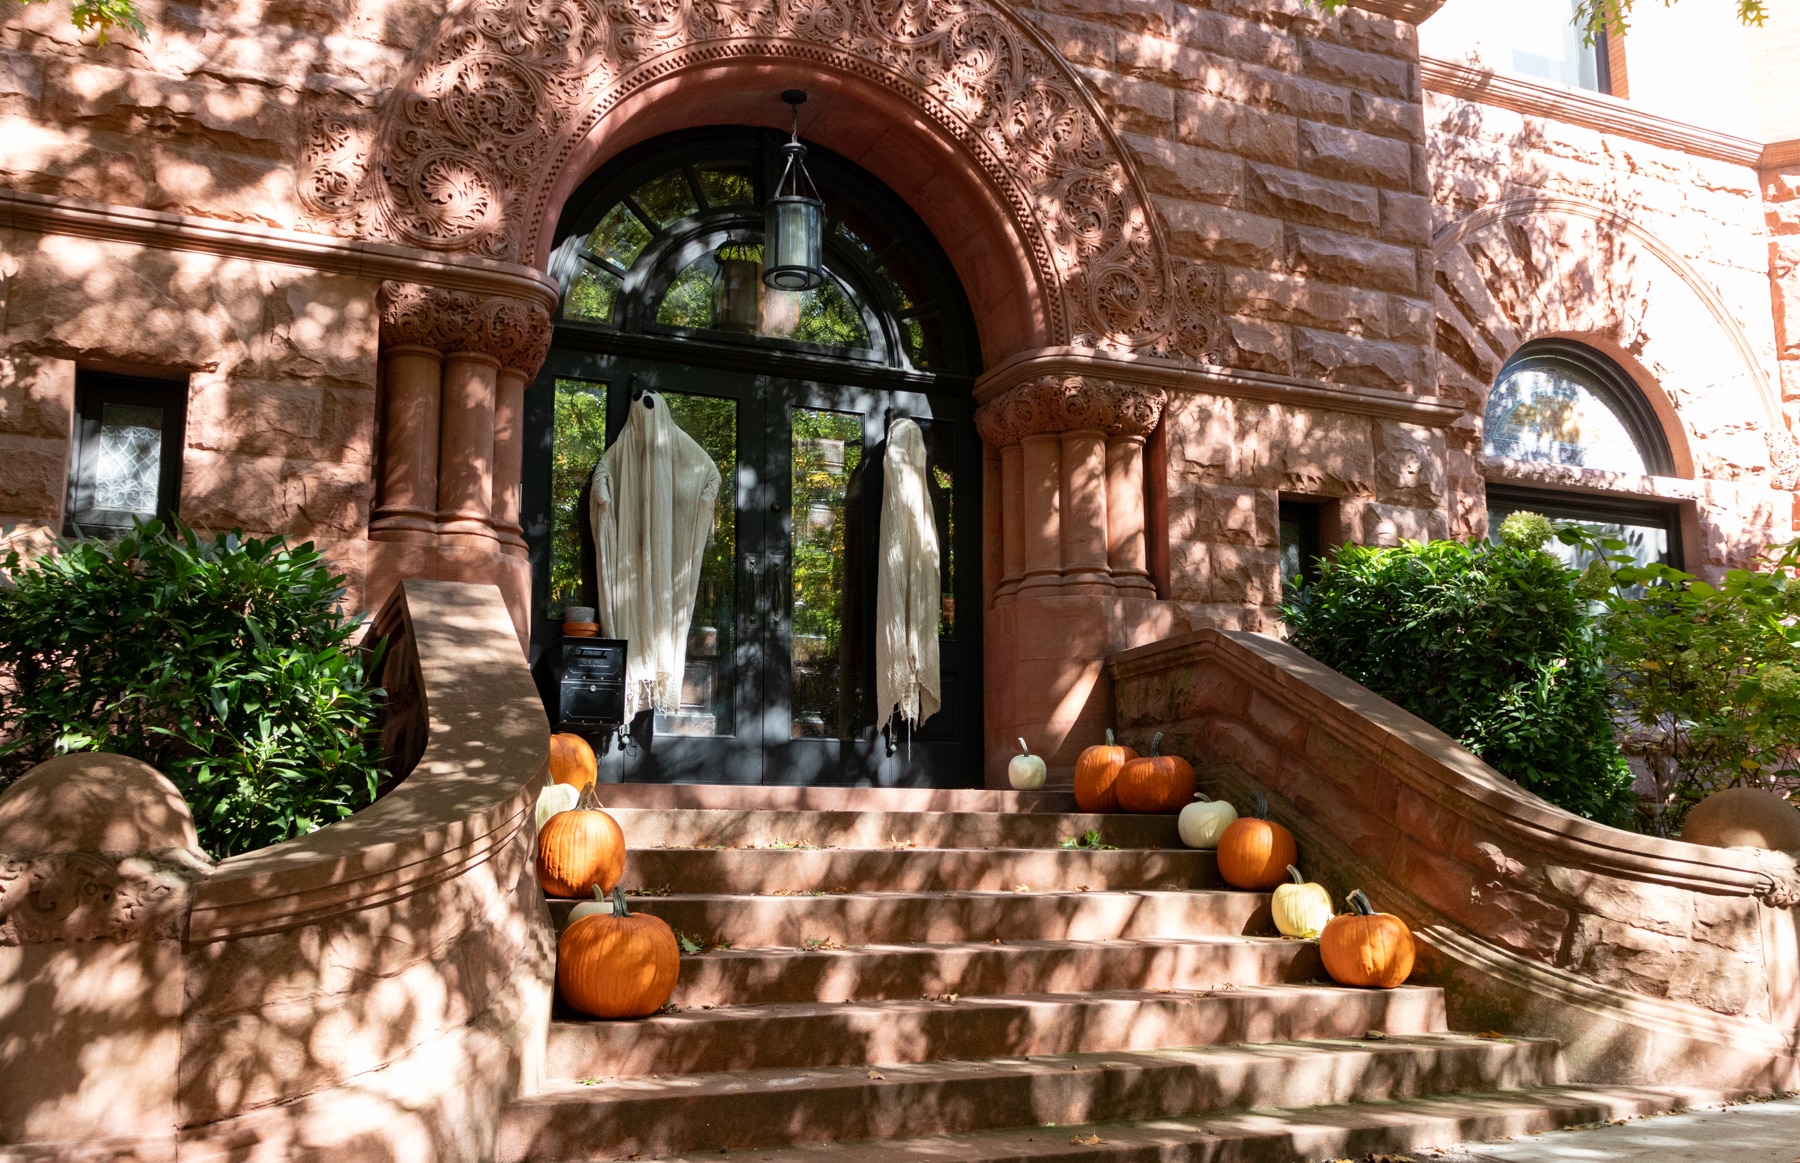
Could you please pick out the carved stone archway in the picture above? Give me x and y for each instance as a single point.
(1542, 265)
(465, 153)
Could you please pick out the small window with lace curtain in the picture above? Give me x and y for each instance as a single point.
(125, 458)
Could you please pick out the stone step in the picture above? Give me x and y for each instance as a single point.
(766, 870)
(1357, 1130)
(729, 1112)
(970, 969)
(735, 828)
(813, 1035)
(778, 798)
(859, 919)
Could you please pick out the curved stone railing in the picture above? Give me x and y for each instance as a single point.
(382, 986)
(1653, 961)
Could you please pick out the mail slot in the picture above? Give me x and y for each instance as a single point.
(592, 681)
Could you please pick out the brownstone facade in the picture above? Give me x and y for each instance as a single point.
(1220, 255)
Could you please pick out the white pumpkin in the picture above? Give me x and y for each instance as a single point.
(1026, 772)
(1202, 822)
(1301, 909)
(600, 904)
(558, 797)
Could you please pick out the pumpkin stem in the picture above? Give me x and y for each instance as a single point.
(1156, 745)
(1295, 873)
(590, 797)
(1201, 797)
(1360, 903)
(1023, 750)
(619, 909)
(1109, 738)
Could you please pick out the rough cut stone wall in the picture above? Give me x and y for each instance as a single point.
(1656, 256)
(1291, 150)
(280, 365)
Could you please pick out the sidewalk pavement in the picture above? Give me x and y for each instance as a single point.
(1752, 1132)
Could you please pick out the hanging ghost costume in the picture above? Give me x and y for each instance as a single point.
(652, 506)
(907, 593)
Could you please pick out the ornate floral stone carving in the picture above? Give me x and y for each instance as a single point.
(1784, 460)
(1069, 403)
(464, 153)
(512, 331)
(94, 896)
(1781, 877)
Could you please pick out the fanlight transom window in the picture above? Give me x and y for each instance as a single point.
(672, 245)
(1560, 403)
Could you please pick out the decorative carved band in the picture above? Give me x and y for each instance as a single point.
(466, 151)
(512, 331)
(1068, 403)
(96, 896)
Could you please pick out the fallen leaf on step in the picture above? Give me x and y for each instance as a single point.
(1021, 888)
(1374, 1036)
(1093, 1140)
(874, 1073)
(1084, 888)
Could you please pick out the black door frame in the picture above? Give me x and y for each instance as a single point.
(947, 751)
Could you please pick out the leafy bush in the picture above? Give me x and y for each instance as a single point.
(1708, 675)
(1489, 643)
(226, 665)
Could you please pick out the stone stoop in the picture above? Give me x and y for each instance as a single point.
(937, 978)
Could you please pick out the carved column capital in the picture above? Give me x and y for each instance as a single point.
(1067, 403)
(511, 331)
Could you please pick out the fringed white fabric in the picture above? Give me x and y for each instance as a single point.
(907, 594)
(653, 506)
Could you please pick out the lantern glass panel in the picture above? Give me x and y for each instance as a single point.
(795, 242)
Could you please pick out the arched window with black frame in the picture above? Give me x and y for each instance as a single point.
(1563, 403)
(791, 393)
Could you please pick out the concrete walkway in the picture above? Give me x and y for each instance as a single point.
(1756, 1132)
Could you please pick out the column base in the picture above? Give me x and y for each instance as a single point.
(390, 562)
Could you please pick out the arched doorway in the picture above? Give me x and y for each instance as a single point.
(791, 394)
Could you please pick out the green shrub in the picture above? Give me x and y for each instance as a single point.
(226, 665)
(1708, 675)
(1490, 644)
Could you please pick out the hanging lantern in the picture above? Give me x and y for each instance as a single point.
(738, 287)
(793, 220)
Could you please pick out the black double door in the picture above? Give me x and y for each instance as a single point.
(779, 685)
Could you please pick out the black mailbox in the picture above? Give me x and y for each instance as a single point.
(592, 682)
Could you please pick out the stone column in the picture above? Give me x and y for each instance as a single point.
(1084, 506)
(1126, 518)
(1077, 442)
(1041, 505)
(509, 456)
(466, 449)
(455, 367)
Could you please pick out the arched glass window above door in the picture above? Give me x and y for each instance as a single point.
(1562, 403)
(670, 244)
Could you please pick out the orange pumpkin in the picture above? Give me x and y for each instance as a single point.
(619, 966)
(1365, 947)
(581, 850)
(1254, 851)
(572, 760)
(1096, 772)
(1155, 782)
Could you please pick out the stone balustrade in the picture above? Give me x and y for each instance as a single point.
(1651, 960)
(377, 989)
